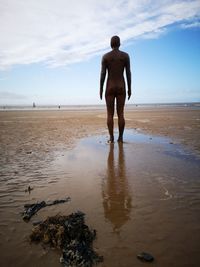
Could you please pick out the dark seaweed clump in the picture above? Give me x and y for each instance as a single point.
(71, 235)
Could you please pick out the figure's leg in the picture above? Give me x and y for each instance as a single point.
(120, 113)
(110, 103)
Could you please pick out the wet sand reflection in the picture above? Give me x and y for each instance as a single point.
(115, 190)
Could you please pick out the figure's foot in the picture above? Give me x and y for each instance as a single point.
(111, 140)
(120, 140)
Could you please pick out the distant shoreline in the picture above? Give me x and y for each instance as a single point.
(95, 107)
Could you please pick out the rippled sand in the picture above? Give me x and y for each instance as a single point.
(143, 195)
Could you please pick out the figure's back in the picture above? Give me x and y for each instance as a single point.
(115, 62)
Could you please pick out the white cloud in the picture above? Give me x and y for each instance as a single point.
(195, 24)
(63, 32)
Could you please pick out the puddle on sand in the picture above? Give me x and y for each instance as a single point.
(142, 195)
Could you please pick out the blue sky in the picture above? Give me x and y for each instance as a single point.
(50, 51)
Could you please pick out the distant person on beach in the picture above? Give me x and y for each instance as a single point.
(115, 62)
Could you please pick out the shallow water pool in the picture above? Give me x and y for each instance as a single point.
(142, 195)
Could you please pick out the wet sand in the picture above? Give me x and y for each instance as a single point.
(139, 196)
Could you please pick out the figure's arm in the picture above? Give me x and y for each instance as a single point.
(128, 76)
(102, 77)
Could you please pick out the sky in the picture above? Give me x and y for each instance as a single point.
(50, 51)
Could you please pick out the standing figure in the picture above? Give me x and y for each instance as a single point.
(114, 63)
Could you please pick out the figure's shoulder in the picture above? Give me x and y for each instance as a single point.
(107, 58)
(107, 55)
(124, 54)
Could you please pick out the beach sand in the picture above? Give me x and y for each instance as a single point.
(139, 196)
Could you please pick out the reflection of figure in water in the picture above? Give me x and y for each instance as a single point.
(116, 197)
(115, 62)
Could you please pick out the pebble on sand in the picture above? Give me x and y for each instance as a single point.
(144, 256)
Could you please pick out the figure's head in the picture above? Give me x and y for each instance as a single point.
(115, 42)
